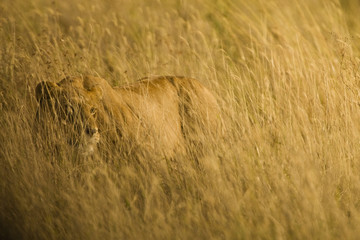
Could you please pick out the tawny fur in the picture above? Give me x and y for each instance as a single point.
(164, 115)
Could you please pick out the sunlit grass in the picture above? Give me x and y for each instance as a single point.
(287, 80)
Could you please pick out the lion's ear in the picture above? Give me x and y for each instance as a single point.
(92, 84)
(46, 90)
(98, 92)
(89, 82)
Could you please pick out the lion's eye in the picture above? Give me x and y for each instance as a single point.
(93, 111)
(69, 109)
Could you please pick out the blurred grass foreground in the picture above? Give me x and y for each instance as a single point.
(286, 75)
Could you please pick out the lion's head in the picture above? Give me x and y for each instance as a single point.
(72, 103)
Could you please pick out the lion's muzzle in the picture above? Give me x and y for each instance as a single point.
(89, 141)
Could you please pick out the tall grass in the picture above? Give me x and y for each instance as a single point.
(287, 78)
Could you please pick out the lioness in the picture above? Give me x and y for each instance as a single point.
(164, 115)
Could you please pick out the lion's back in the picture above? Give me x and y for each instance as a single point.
(180, 107)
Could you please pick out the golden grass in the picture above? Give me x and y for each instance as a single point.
(287, 77)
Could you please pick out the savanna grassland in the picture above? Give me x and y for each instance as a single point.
(286, 75)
